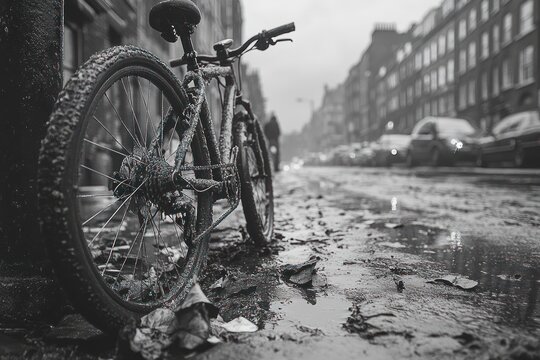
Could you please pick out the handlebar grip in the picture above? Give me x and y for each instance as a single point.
(280, 30)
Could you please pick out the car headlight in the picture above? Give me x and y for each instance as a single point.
(457, 144)
(394, 152)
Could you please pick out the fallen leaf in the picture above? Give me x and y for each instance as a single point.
(240, 325)
(456, 281)
(393, 226)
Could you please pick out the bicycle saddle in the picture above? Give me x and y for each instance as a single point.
(175, 13)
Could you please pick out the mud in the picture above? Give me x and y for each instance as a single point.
(379, 246)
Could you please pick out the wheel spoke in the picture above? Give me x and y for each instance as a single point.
(108, 132)
(116, 238)
(116, 212)
(122, 121)
(102, 174)
(130, 100)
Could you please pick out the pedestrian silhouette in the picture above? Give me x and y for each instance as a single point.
(273, 132)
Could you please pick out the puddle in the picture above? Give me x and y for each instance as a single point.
(331, 312)
(509, 274)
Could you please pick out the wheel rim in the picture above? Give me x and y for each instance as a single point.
(137, 247)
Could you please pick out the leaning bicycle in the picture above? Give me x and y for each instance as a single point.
(131, 168)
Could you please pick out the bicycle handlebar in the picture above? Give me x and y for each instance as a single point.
(281, 30)
(264, 36)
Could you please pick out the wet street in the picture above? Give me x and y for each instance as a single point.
(424, 263)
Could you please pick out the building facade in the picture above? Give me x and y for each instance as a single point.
(473, 59)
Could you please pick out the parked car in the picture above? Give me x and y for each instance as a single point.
(516, 139)
(391, 149)
(442, 141)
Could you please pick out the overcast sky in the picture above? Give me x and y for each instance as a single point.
(330, 37)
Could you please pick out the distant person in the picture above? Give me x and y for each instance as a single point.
(273, 132)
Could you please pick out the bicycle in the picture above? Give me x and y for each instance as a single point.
(130, 170)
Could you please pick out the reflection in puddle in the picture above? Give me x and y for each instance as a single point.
(509, 274)
(394, 204)
(332, 311)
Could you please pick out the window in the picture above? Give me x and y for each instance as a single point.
(427, 83)
(434, 108)
(451, 40)
(442, 45)
(462, 30)
(484, 10)
(442, 76)
(450, 71)
(434, 80)
(472, 55)
(495, 82)
(485, 46)
(496, 38)
(427, 57)
(442, 106)
(418, 61)
(462, 61)
(418, 88)
(526, 19)
(507, 29)
(526, 65)
(485, 89)
(427, 109)
(462, 96)
(472, 20)
(433, 51)
(419, 113)
(410, 95)
(472, 92)
(451, 104)
(507, 78)
(495, 5)
(71, 51)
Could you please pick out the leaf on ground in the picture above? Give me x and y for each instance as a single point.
(393, 226)
(240, 325)
(304, 274)
(187, 329)
(456, 281)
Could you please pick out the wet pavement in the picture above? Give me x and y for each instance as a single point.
(380, 237)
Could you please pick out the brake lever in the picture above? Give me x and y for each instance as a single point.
(264, 43)
(275, 42)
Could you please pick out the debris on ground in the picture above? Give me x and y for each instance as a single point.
(309, 330)
(456, 281)
(358, 323)
(393, 226)
(304, 274)
(516, 277)
(73, 327)
(163, 329)
(399, 283)
(239, 325)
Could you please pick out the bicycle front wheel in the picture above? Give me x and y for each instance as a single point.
(256, 178)
(121, 246)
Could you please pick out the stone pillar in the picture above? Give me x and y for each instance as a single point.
(31, 43)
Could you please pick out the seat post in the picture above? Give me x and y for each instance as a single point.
(189, 52)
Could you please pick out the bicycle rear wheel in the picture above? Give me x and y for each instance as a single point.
(120, 247)
(256, 180)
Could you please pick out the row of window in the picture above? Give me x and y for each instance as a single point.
(501, 79)
(446, 41)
